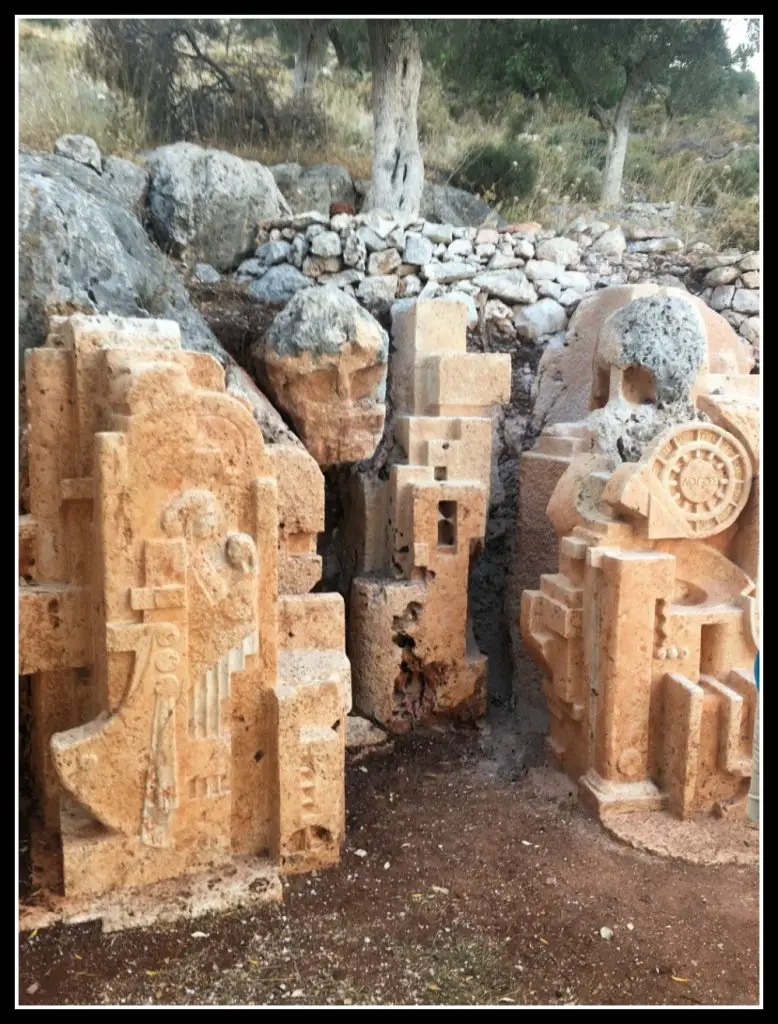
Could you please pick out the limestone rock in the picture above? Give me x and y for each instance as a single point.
(279, 284)
(745, 301)
(360, 732)
(80, 148)
(441, 234)
(377, 293)
(508, 285)
(324, 359)
(384, 262)
(271, 253)
(81, 249)
(670, 244)
(751, 261)
(314, 188)
(611, 244)
(128, 183)
(445, 204)
(205, 204)
(418, 250)
(752, 279)
(445, 273)
(722, 297)
(327, 244)
(500, 261)
(316, 266)
(206, 274)
(542, 270)
(539, 320)
(721, 276)
(559, 250)
(354, 251)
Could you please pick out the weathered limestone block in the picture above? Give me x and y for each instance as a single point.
(646, 635)
(418, 532)
(180, 720)
(324, 360)
(569, 387)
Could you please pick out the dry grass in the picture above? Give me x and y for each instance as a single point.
(666, 158)
(56, 97)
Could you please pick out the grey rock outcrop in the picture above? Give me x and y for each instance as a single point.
(205, 204)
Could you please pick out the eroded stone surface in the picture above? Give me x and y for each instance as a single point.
(324, 359)
(416, 534)
(184, 712)
(646, 635)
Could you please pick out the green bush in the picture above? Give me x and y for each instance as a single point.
(507, 170)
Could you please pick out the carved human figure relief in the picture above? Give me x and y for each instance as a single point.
(223, 568)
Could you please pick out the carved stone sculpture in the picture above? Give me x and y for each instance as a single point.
(646, 635)
(413, 654)
(189, 694)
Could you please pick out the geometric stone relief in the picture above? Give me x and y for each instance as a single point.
(156, 527)
(416, 534)
(645, 635)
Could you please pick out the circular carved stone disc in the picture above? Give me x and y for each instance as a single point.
(707, 474)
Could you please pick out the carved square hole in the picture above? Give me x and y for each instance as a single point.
(447, 524)
(441, 472)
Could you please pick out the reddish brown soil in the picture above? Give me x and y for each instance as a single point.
(480, 884)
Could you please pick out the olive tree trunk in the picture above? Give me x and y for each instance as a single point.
(311, 55)
(398, 171)
(618, 136)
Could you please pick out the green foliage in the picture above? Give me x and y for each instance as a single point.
(506, 171)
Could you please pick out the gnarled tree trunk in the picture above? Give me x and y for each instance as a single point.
(618, 136)
(311, 55)
(398, 171)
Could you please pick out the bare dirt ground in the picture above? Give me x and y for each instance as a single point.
(466, 880)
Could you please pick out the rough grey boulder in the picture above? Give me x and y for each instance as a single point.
(206, 274)
(448, 205)
(80, 148)
(321, 322)
(508, 285)
(540, 320)
(127, 182)
(82, 250)
(278, 285)
(205, 204)
(664, 334)
(314, 188)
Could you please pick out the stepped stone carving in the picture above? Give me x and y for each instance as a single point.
(189, 692)
(411, 645)
(646, 636)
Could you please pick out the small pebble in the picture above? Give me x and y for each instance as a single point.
(606, 933)
(33, 988)
(360, 853)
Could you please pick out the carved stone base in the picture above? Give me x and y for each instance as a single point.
(241, 882)
(603, 797)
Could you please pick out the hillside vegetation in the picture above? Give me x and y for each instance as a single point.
(536, 156)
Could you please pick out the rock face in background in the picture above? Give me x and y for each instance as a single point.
(448, 205)
(204, 204)
(80, 148)
(83, 249)
(314, 188)
(324, 361)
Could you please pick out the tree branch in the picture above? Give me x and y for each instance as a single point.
(225, 77)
